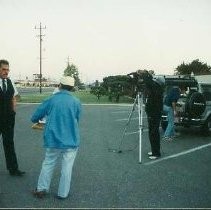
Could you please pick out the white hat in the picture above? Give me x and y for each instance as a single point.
(67, 80)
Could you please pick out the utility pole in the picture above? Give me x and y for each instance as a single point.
(40, 36)
(68, 61)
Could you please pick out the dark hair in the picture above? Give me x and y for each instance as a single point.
(67, 87)
(147, 76)
(4, 62)
(183, 87)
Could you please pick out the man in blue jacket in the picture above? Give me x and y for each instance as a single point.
(61, 137)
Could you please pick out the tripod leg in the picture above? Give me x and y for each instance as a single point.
(129, 118)
(140, 116)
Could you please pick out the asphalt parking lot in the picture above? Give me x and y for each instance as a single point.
(103, 178)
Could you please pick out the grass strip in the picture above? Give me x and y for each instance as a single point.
(84, 96)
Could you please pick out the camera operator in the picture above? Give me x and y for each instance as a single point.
(153, 107)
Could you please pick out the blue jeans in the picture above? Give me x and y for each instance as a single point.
(51, 156)
(169, 132)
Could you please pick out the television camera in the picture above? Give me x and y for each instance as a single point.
(140, 78)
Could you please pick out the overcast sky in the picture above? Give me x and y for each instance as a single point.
(104, 37)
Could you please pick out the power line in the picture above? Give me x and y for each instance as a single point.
(40, 36)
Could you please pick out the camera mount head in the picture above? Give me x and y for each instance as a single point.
(140, 78)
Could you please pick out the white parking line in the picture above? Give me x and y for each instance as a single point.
(23, 103)
(130, 133)
(119, 112)
(125, 119)
(125, 105)
(179, 154)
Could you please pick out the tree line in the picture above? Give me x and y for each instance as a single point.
(122, 85)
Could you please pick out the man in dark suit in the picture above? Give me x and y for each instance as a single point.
(7, 118)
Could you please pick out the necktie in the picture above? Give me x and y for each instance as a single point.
(4, 86)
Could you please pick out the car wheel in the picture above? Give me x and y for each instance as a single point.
(206, 128)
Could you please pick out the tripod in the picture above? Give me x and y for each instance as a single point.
(138, 101)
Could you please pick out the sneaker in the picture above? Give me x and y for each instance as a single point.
(154, 157)
(177, 134)
(167, 138)
(149, 153)
(60, 197)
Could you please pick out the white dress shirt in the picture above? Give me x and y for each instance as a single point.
(15, 89)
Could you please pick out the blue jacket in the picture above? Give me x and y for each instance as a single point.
(62, 111)
(172, 96)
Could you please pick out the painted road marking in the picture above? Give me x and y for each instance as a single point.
(125, 119)
(119, 112)
(179, 154)
(127, 105)
(134, 132)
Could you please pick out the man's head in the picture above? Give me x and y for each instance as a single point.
(145, 76)
(182, 89)
(67, 83)
(4, 69)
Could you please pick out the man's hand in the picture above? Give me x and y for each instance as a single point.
(14, 103)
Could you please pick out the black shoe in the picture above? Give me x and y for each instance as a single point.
(17, 173)
(39, 194)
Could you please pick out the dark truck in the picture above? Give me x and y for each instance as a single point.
(193, 107)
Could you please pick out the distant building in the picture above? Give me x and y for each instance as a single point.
(35, 82)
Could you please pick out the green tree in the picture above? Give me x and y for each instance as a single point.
(197, 67)
(98, 90)
(72, 71)
(117, 86)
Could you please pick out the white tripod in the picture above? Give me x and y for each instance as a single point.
(138, 101)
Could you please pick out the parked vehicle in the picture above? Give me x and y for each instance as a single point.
(193, 107)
